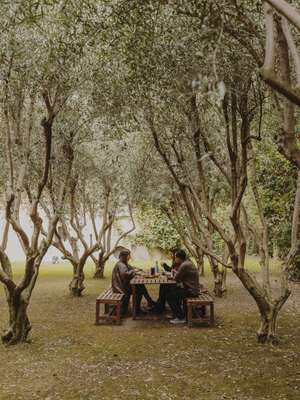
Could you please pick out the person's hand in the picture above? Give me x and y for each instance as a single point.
(138, 271)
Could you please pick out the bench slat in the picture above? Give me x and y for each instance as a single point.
(203, 297)
(108, 294)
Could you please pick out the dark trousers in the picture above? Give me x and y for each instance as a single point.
(175, 299)
(163, 293)
(141, 291)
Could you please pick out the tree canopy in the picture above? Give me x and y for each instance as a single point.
(184, 113)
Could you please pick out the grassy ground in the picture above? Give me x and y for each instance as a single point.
(70, 358)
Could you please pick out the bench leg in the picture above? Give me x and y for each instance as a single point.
(190, 315)
(212, 315)
(133, 301)
(97, 312)
(118, 313)
(112, 312)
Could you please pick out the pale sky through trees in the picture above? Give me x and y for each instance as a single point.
(16, 253)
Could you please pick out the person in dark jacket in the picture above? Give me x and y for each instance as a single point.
(187, 278)
(121, 277)
(160, 305)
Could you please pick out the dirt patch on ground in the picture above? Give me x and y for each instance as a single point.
(70, 358)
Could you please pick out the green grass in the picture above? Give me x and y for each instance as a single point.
(64, 269)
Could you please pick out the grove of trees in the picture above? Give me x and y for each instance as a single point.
(182, 114)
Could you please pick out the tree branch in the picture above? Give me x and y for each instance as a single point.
(285, 9)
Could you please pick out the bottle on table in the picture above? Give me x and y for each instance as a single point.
(156, 267)
(152, 271)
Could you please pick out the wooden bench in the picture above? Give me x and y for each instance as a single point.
(203, 300)
(109, 298)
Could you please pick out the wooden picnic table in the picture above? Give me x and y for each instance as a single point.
(144, 280)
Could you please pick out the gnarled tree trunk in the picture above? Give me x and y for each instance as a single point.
(19, 324)
(99, 273)
(200, 262)
(76, 285)
(268, 308)
(219, 278)
(267, 329)
(100, 265)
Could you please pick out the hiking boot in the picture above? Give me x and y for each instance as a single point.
(178, 321)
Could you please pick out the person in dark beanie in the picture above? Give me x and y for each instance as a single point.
(160, 305)
(165, 266)
(187, 278)
(121, 277)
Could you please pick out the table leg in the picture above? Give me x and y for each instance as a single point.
(133, 301)
(212, 314)
(97, 311)
(118, 313)
(190, 315)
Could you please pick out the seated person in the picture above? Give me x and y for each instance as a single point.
(163, 288)
(121, 276)
(165, 266)
(187, 278)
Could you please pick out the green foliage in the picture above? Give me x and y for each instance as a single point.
(277, 181)
(157, 230)
(218, 244)
(294, 273)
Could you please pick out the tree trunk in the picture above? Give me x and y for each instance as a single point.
(268, 308)
(219, 278)
(76, 285)
(19, 325)
(100, 265)
(220, 283)
(200, 263)
(224, 276)
(267, 329)
(74, 265)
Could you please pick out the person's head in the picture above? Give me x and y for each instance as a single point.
(124, 255)
(173, 253)
(180, 257)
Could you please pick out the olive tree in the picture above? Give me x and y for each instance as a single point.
(34, 92)
(174, 111)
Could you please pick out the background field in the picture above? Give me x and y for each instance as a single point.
(70, 358)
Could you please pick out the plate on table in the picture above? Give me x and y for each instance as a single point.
(151, 276)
